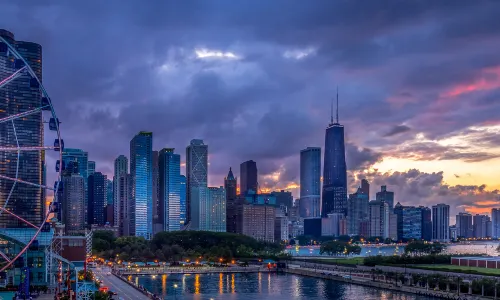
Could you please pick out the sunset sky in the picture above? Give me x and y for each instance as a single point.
(419, 86)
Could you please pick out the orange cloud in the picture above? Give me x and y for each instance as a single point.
(478, 210)
(489, 79)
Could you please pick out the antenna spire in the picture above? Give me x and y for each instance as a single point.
(337, 104)
(331, 113)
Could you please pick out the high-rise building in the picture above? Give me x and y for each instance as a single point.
(480, 226)
(379, 219)
(365, 187)
(257, 221)
(90, 167)
(18, 97)
(441, 223)
(385, 195)
(97, 199)
(411, 223)
(120, 168)
(182, 214)
(73, 199)
(124, 183)
(109, 193)
(426, 223)
(330, 226)
(248, 177)
(81, 157)
(393, 226)
(157, 219)
(310, 182)
(283, 198)
(196, 174)
(464, 225)
(216, 209)
(141, 170)
(495, 223)
(357, 210)
(230, 184)
(170, 189)
(335, 169)
(281, 228)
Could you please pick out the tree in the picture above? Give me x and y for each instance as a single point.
(332, 247)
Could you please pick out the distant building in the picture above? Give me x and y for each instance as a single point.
(169, 175)
(464, 225)
(260, 198)
(281, 228)
(73, 200)
(393, 226)
(312, 227)
(365, 187)
(248, 177)
(386, 196)
(120, 168)
(480, 226)
(379, 219)
(182, 215)
(410, 222)
(330, 226)
(97, 199)
(310, 182)
(453, 232)
(230, 184)
(158, 221)
(109, 192)
(124, 184)
(441, 223)
(216, 214)
(495, 223)
(283, 198)
(196, 175)
(141, 172)
(90, 167)
(357, 211)
(81, 157)
(257, 221)
(109, 214)
(426, 223)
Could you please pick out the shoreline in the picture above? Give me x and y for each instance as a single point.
(250, 269)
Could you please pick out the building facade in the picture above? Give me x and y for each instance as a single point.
(124, 202)
(310, 182)
(157, 219)
(464, 225)
(441, 223)
(495, 223)
(196, 175)
(26, 201)
(357, 211)
(97, 199)
(480, 226)
(120, 168)
(73, 201)
(379, 219)
(141, 172)
(331, 225)
(90, 167)
(248, 177)
(170, 190)
(182, 215)
(426, 223)
(385, 195)
(230, 185)
(81, 157)
(257, 221)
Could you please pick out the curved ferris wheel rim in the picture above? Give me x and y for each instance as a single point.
(55, 197)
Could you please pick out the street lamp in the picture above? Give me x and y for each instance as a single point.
(175, 290)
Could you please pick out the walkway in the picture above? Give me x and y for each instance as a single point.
(115, 284)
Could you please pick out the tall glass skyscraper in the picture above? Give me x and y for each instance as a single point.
(26, 200)
(196, 174)
(182, 214)
(81, 157)
(90, 167)
(441, 223)
(121, 168)
(248, 177)
(335, 170)
(170, 189)
(141, 171)
(98, 191)
(215, 210)
(310, 182)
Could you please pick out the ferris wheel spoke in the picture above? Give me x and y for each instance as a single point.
(4, 256)
(27, 182)
(27, 148)
(13, 76)
(18, 217)
(23, 114)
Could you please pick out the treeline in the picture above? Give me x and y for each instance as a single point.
(179, 245)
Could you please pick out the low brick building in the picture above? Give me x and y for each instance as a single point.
(490, 262)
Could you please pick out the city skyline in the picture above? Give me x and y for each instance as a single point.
(425, 125)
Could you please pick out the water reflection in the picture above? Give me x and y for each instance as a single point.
(259, 286)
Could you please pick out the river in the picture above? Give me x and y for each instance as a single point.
(259, 286)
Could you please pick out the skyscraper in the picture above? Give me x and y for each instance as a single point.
(480, 226)
(196, 174)
(248, 177)
(80, 156)
(123, 202)
(310, 182)
(385, 195)
(335, 169)
(121, 168)
(141, 171)
(357, 211)
(464, 225)
(216, 210)
(283, 198)
(441, 223)
(365, 187)
(230, 185)
(109, 193)
(495, 222)
(170, 189)
(426, 223)
(97, 199)
(17, 97)
(73, 199)
(379, 219)
(90, 167)
(157, 219)
(182, 214)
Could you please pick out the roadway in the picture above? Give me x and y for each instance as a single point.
(124, 290)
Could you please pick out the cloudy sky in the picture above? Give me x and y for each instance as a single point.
(419, 85)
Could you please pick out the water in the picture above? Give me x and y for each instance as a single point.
(477, 248)
(253, 286)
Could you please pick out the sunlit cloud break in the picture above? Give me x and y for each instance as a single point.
(299, 53)
(203, 53)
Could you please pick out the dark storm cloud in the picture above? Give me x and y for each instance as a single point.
(116, 67)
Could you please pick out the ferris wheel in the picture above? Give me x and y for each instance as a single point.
(24, 103)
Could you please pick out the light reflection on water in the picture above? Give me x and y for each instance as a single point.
(477, 248)
(250, 286)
